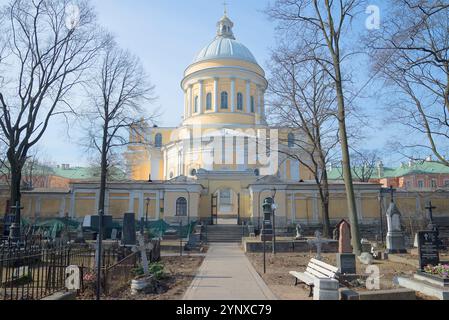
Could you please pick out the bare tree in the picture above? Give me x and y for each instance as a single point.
(46, 52)
(323, 25)
(411, 53)
(364, 163)
(119, 88)
(302, 98)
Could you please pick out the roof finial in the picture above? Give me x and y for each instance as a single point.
(225, 4)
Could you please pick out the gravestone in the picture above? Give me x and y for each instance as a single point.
(80, 235)
(129, 230)
(395, 235)
(366, 245)
(142, 248)
(114, 234)
(299, 232)
(428, 249)
(318, 242)
(366, 258)
(326, 289)
(345, 258)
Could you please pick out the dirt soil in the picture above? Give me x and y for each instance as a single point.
(282, 283)
(180, 271)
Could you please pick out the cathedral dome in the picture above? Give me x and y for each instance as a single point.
(224, 46)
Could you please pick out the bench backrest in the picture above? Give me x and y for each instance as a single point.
(321, 269)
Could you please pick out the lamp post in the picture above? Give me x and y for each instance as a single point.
(273, 208)
(146, 213)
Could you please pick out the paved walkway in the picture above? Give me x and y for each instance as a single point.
(227, 274)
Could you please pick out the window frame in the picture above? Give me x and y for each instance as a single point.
(224, 99)
(240, 101)
(181, 207)
(209, 101)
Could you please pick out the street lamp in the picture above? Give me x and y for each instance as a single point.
(146, 214)
(273, 208)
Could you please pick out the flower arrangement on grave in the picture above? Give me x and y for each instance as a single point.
(89, 277)
(439, 270)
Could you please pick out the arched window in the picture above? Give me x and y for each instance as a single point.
(291, 140)
(252, 104)
(193, 172)
(209, 101)
(239, 101)
(196, 104)
(224, 100)
(181, 207)
(158, 141)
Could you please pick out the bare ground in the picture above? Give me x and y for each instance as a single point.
(180, 271)
(281, 282)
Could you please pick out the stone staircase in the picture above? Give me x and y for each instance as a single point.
(224, 234)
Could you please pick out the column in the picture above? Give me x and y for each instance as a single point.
(72, 205)
(158, 205)
(248, 96)
(216, 94)
(200, 96)
(262, 103)
(259, 101)
(232, 97)
(189, 101)
(131, 201)
(185, 105)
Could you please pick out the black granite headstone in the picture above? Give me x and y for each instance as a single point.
(428, 249)
(129, 230)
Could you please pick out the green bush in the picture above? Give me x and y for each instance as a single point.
(156, 269)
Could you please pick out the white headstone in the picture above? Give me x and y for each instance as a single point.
(143, 252)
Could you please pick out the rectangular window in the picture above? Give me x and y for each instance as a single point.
(209, 101)
(421, 184)
(240, 101)
(434, 184)
(252, 104)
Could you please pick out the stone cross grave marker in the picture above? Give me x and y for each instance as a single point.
(318, 242)
(142, 247)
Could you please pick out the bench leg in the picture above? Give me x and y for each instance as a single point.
(296, 282)
(311, 292)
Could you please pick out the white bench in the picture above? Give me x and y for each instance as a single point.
(315, 269)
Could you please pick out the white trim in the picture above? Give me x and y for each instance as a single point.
(232, 94)
(216, 107)
(200, 96)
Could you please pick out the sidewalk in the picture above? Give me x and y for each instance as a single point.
(227, 274)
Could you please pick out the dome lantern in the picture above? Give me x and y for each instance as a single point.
(224, 28)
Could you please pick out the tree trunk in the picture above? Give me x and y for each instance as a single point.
(15, 195)
(325, 207)
(346, 162)
(101, 205)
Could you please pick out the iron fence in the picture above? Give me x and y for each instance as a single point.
(36, 272)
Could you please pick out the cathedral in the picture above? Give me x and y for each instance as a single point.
(220, 164)
(224, 160)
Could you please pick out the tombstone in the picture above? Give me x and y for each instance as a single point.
(345, 258)
(366, 245)
(428, 249)
(326, 289)
(299, 232)
(366, 258)
(129, 230)
(80, 235)
(395, 235)
(114, 234)
(318, 242)
(142, 248)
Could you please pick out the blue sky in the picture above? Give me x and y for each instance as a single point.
(166, 35)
